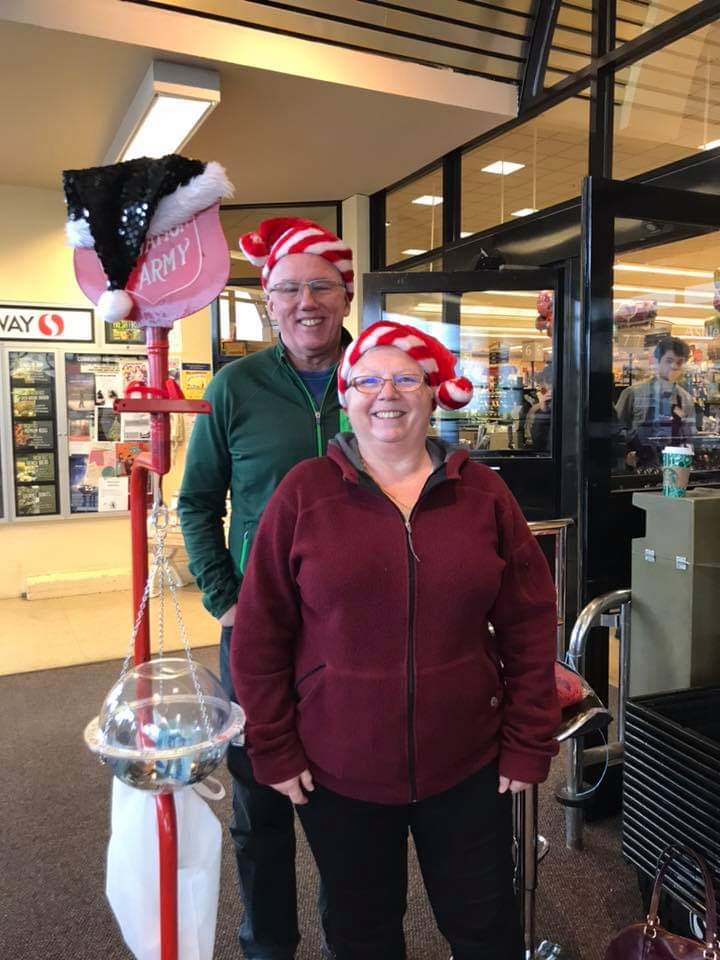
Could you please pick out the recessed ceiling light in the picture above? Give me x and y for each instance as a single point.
(387, 223)
(426, 200)
(412, 252)
(523, 212)
(710, 145)
(503, 167)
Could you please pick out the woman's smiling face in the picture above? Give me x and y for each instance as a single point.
(389, 416)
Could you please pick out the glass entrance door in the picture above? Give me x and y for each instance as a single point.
(650, 371)
(503, 327)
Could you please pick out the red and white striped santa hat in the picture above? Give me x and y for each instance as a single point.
(280, 236)
(451, 392)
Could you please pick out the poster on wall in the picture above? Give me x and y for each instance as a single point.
(35, 501)
(34, 435)
(32, 402)
(98, 477)
(107, 426)
(194, 378)
(34, 432)
(35, 468)
(113, 494)
(124, 331)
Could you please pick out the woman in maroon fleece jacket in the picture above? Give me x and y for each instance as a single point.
(378, 698)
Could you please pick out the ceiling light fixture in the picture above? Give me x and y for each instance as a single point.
(169, 106)
(523, 212)
(710, 145)
(475, 310)
(503, 167)
(665, 271)
(426, 200)
(412, 252)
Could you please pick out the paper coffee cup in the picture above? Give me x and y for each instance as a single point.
(676, 466)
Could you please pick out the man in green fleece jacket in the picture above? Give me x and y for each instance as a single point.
(269, 411)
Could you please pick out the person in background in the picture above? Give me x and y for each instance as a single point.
(378, 698)
(269, 411)
(658, 411)
(538, 425)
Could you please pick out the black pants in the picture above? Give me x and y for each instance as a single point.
(463, 839)
(263, 832)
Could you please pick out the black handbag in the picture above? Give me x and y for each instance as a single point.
(650, 941)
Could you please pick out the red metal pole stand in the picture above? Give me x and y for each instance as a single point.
(157, 462)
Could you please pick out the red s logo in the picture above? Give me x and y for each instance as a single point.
(51, 324)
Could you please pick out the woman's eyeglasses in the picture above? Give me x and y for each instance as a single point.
(320, 289)
(403, 383)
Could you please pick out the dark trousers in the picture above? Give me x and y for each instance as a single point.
(263, 832)
(463, 839)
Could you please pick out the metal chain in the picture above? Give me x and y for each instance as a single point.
(161, 570)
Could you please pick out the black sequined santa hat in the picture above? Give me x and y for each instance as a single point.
(116, 208)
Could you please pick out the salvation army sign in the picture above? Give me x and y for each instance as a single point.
(178, 272)
(46, 324)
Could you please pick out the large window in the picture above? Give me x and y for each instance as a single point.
(237, 220)
(668, 105)
(413, 217)
(534, 165)
(571, 42)
(504, 343)
(666, 356)
(635, 17)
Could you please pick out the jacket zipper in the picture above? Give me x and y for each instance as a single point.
(317, 412)
(410, 661)
(412, 560)
(244, 551)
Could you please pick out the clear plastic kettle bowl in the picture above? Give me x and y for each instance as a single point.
(164, 725)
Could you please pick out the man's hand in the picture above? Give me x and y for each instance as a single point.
(228, 618)
(293, 788)
(514, 786)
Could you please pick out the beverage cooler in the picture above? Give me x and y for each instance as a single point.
(64, 452)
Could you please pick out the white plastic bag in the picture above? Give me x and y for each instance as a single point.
(133, 884)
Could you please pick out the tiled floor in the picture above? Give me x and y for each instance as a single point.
(41, 634)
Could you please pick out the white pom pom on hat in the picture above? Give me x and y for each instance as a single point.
(451, 392)
(115, 305)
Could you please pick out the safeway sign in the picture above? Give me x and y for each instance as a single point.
(46, 324)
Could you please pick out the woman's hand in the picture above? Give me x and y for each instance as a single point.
(514, 786)
(293, 788)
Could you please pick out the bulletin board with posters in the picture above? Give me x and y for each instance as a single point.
(64, 451)
(101, 443)
(33, 414)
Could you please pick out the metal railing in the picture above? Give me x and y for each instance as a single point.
(609, 610)
(558, 529)
(529, 845)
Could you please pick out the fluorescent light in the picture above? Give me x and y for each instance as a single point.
(412, 252)
(169, 106)
(706, 295)
(465, 233)
(426, 200)
(675, 304)
(510, 293)
(475, 310)
(503, 167)
(710, 145)
(524, 212)
(665, 271)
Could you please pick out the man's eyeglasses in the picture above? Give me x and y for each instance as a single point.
(403, 383)
(320, 289)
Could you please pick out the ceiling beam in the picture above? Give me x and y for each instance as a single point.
(186, 36)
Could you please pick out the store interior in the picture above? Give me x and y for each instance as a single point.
(462, 175)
